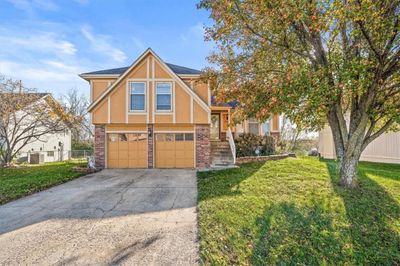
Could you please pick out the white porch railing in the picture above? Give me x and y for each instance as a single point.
(231, 141)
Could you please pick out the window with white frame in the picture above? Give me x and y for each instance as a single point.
(138, 96)
(163, 96)
(267, 127)
(253, 126)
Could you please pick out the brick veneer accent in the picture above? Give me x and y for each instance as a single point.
(203, 147)
(99, 146)
(150, 151)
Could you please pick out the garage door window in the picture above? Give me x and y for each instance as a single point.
(179, 137)
(170, 137)
(160, 137)
(142, 137)
(189, 136)
(123, 137)
(113, 137)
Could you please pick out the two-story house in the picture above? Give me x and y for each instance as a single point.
(155, 115)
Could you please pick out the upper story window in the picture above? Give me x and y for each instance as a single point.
(163, 96)
(138, 96)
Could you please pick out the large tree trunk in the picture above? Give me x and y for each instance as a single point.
(348, 148)
(347, 170)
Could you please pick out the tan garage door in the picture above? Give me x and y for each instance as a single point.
(127, 150)
(174, 150)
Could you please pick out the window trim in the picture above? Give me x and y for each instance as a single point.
(255, 121)
(130, 97)
(171, 96)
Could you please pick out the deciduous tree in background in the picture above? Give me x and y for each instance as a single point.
(316, 61)
(26, 116)
(82, 130)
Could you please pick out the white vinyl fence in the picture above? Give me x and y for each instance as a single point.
(384, 149)
(55, 156)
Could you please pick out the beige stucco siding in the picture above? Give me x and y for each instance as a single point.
(129, 127)
(201, 89)
(185, 108)
(200, 115)
(159, 71)
(100, 114)
(118, 105)
(99, 85)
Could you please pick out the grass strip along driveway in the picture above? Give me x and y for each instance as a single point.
(293, 212)
(17, 182)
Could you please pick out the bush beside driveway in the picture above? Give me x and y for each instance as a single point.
(293, 212)
(17, 182)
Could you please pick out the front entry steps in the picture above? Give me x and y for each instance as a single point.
(221, 155)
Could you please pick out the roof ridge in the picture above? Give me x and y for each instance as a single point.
(179, 70)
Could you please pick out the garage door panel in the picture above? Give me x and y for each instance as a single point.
(180, 145)
(180, 154)
(127, 150)
(113, 155)
(113, 163)
(170, 146)
(189, 154)
(142, 146)
(173, 151)
(189, 145)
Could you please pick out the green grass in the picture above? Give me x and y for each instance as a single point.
(293, 212)
(22, 181)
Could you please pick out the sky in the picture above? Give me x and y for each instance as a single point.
(47, 43)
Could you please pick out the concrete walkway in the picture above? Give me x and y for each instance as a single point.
(131, 217)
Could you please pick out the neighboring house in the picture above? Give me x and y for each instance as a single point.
(157, 115)
(384, 149)
(52, 147)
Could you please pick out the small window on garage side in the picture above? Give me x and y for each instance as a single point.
(50, 153)
(189, 136)
(179, 137)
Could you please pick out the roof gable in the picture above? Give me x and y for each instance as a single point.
(165, 66)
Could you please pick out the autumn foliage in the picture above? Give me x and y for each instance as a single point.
(319, 62)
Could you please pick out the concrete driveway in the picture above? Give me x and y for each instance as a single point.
(132, 217)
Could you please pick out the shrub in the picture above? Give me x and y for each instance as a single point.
(82, 145)
(247, 144)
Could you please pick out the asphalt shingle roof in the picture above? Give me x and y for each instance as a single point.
(179, 70)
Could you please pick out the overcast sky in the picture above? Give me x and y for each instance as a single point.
(47, 43)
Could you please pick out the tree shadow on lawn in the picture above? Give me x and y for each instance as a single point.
(373, 215)
(290, 235)
(215, 184)
(365, 232)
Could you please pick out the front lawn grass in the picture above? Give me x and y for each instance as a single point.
(17, 182)
(293, 212)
